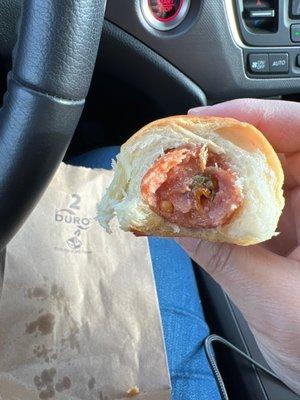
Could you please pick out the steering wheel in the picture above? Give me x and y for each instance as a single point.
(53, 62)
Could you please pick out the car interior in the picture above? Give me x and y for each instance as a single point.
(159, 58)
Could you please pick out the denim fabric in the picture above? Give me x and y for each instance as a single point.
(182, 315)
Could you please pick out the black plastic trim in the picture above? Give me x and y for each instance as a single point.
(294, 69)
(132, 61)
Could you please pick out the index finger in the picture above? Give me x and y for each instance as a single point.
(278, 120)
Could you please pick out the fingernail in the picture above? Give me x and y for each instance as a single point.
(198, 110)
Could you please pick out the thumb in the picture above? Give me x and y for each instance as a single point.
(278, 120)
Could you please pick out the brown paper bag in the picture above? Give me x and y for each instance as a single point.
(79, 316)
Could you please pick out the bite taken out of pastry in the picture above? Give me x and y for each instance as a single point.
(213, 178)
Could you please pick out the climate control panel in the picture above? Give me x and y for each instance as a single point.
(270, 30)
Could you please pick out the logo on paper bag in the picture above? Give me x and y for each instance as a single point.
(79, 225)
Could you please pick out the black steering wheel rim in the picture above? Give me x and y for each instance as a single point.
(53, 62)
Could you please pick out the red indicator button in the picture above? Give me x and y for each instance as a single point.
(164, 15)
(165, 10)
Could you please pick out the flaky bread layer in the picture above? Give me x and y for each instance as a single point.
(248, 153)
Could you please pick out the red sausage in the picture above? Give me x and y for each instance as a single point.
(191, 187)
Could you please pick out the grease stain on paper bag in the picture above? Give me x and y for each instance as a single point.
(74, 301)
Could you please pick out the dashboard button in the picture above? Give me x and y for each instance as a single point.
(295, 33)
(295, 9)
(259, 63)
(279, 62)
(165, 10)
(164, 15)
(262, 14)
(298, 60)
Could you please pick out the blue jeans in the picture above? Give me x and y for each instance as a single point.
(182, 315)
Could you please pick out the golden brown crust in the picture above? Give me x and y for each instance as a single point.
(205, 234)
(244, 136)
(228, 128)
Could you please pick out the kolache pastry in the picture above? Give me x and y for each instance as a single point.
(205, 177)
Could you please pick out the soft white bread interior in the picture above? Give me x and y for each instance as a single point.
(250, 156)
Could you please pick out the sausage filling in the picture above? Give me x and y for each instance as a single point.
(191, 187)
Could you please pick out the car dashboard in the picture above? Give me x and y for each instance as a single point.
(230, 48)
